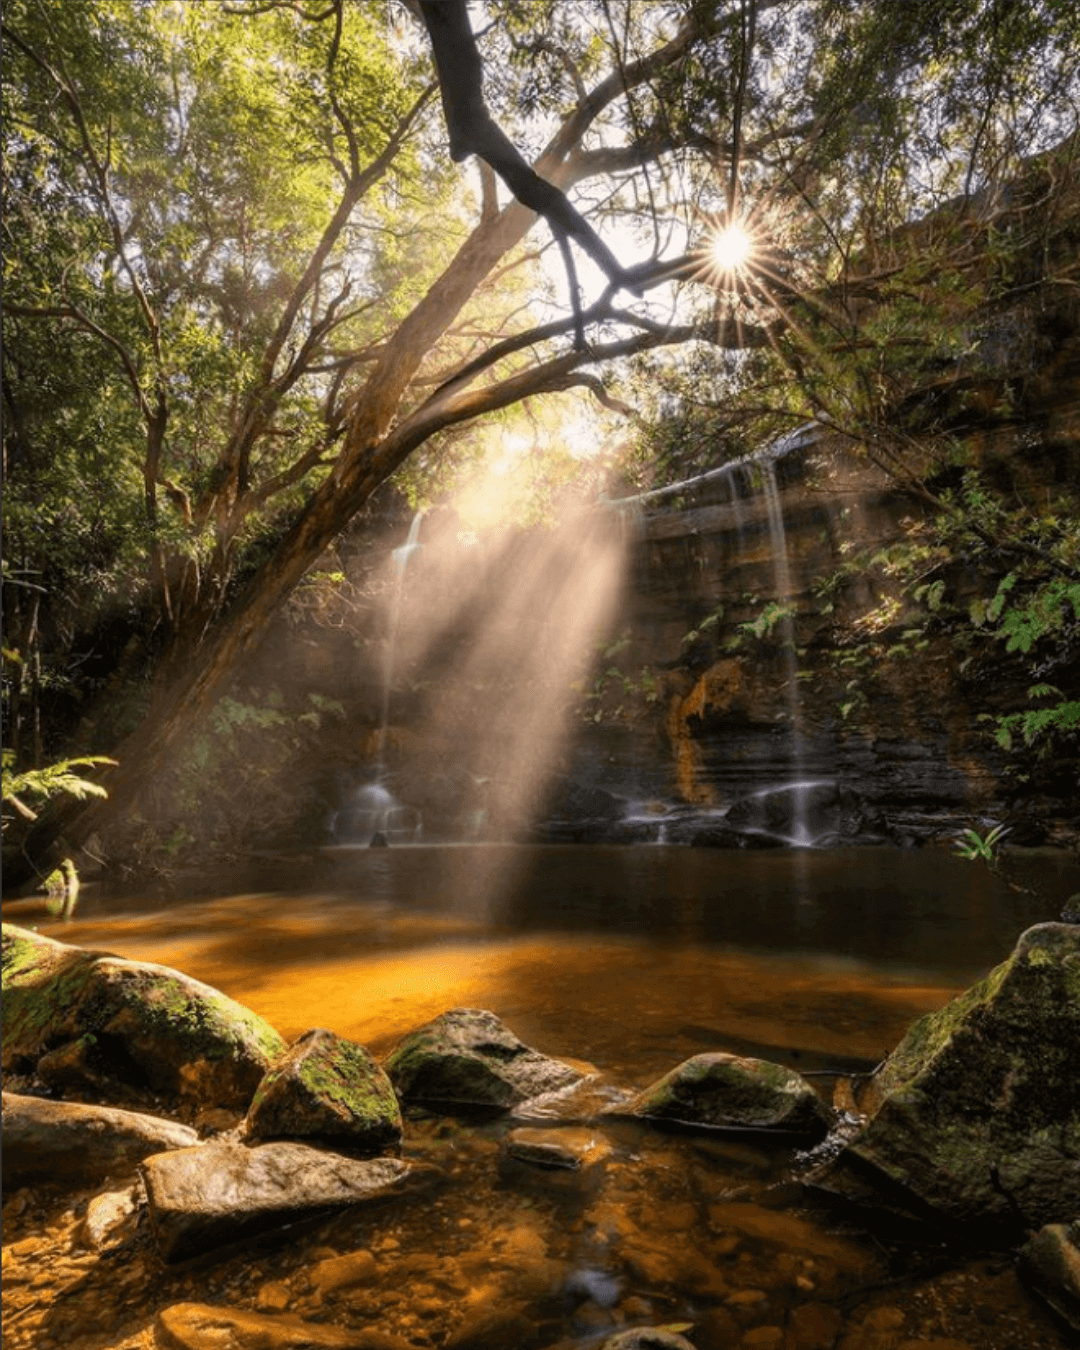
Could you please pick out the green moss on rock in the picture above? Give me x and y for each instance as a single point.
(977, 1111)
(728, 1090)
(159, 1030)
(330, 1088)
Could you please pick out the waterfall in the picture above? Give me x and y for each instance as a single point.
(741, 502)
(786, 625)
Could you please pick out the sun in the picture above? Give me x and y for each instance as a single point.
(731, 248)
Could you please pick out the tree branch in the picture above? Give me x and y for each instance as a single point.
(473, 131)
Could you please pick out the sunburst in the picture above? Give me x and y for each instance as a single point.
(732, 248)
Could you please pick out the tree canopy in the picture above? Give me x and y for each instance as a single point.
(245, 283)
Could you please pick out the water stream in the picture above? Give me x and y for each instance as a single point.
(786, 626)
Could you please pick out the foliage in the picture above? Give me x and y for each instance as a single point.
(973, 846)
(243, 782)
(245, 286)
(185, 291)
(42, 785)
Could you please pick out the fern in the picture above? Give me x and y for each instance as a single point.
(55, 780)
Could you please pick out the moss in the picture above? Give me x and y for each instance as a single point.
(986, 1089)
(326, 1086)
(715, 1089)
(179, 1034)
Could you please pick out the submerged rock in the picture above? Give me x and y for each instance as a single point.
(326, 1087)
(567, 1158)
(727, 1090)
(647, 1338)
(78, 1145)
(977, 1111)
(1050, 1262)
(88, 1021)
(205, 1197)
(468, 1057)
(204, 1326)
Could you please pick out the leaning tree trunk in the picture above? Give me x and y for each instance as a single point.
(183, 696)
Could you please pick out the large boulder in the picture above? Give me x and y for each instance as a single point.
(72, 1144)
(325, 1087)
(202, 1198)
(581, 814)
(467, 1057)
(727, 1090)
(91, 1023)
(977, 1111)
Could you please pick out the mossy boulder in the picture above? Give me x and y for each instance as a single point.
(977, 1111)
(735, 1092)
(325, 1087)
(95, 1024)
(467, 1057)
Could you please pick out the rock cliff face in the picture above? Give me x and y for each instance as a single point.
(730, 711)
(752, 646)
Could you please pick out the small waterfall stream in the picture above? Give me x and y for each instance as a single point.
(789, 656)
(750, 490)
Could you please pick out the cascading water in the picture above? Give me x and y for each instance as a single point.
(373, 815)
(742, 502)
(786, 626)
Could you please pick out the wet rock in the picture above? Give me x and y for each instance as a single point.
(1050, 1263)
(579, 1103)
(763, 1338)
(275, 1296)
(343, 1272)
(326, 1087)
(198, 1326)
(582, 814)
(568, 1148)
(222, 1191)
(823, 812)
(711, 834)
(567, 1159)
(111, 1218)
(880, 1329)
(789, 1232)
(91, 1020)
(814, 1326)
(77, 1145)
(647, 1338)
(977, 1111)
(486, 1326)
(468, 1057)
(726, 1090)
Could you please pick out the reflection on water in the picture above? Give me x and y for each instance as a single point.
(921, 909)
(632, 958)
